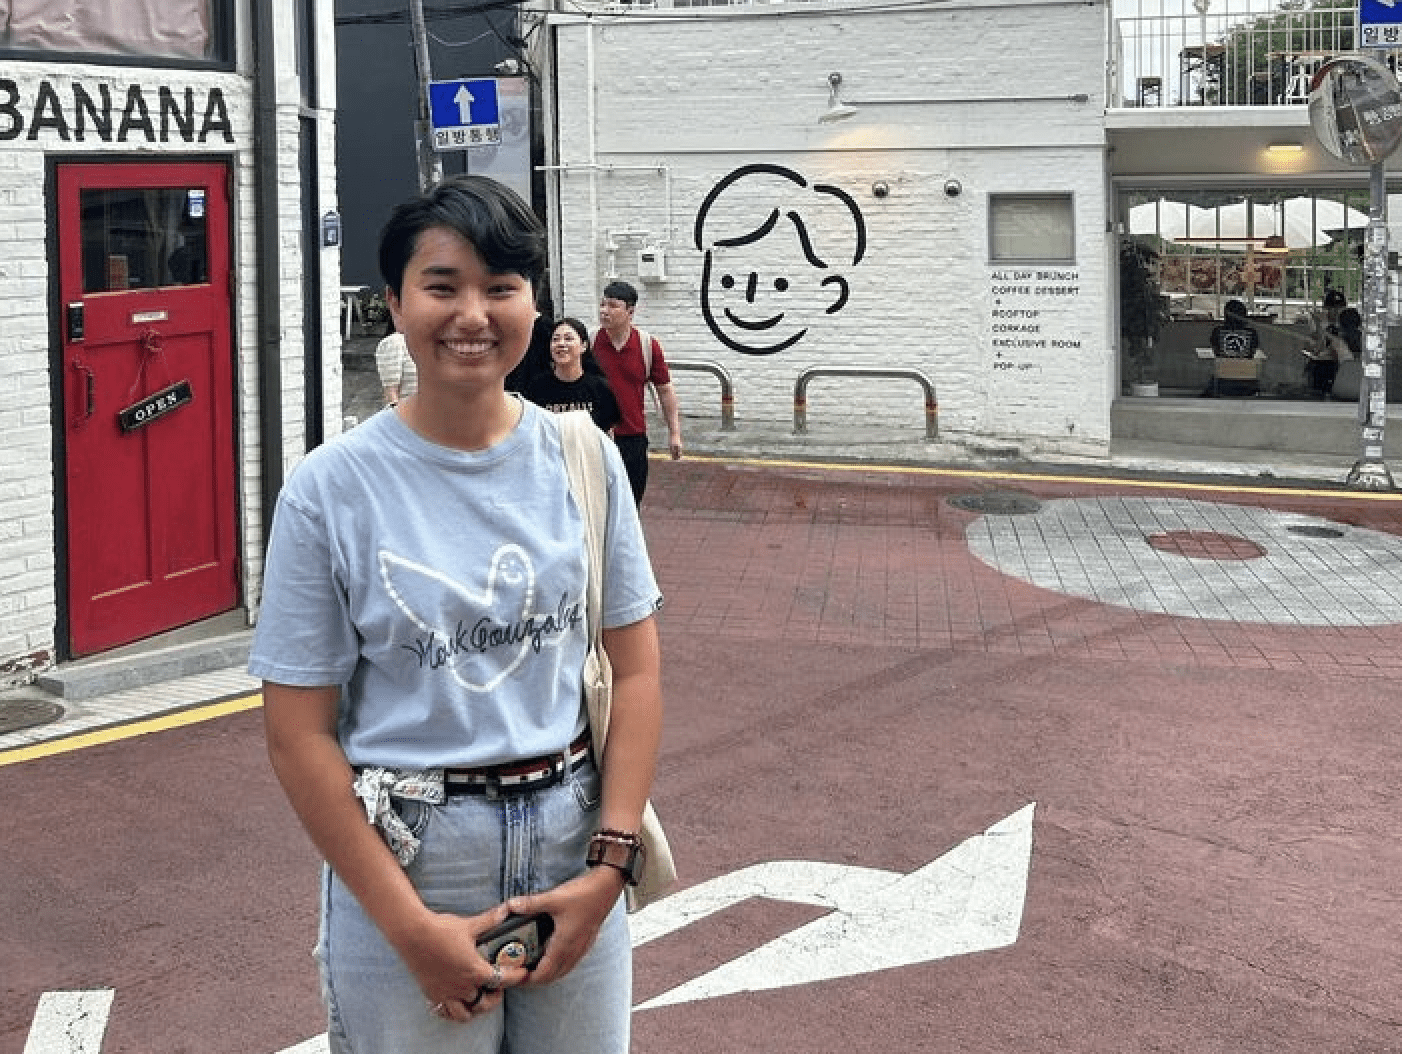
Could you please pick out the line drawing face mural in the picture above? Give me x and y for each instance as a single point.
(771, 241)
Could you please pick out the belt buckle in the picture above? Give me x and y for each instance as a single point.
(491, 787)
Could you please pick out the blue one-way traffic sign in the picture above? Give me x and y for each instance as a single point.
(1379, 23)
(464, 113)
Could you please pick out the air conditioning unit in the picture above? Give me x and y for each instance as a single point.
(652, 264)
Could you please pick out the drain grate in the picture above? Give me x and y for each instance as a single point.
(998, 503)
(19, 714)
(1311, 531)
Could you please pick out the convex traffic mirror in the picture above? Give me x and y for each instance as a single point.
(1356, 109)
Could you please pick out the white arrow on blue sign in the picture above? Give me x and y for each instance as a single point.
(464, 113)
(1380, 23)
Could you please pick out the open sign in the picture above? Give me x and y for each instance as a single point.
(156, 406)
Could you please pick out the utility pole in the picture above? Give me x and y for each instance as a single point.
(430, 166)
(1356, 114)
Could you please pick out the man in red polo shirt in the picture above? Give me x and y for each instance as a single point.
(618, 349)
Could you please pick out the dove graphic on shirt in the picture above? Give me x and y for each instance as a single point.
(479, 638)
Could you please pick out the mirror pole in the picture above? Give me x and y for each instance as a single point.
(1370, 471)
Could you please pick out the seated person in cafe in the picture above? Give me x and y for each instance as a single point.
(1351, 332)
(1329, 347)
(1235, 338)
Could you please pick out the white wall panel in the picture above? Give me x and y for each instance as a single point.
(657, 110)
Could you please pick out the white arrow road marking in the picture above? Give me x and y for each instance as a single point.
(463, 98)
(968, 900)
(315, 1045)
(69, 1022)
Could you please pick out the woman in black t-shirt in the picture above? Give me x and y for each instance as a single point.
(567, 386)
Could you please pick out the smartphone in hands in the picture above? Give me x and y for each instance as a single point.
(530, 931)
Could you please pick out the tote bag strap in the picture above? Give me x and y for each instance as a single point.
(584, 463)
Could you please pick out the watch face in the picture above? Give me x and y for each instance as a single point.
(626, 858)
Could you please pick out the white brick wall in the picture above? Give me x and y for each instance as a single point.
(656, 110)
(29, 553)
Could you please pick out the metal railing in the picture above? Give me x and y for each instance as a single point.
(727, 387)
(1233, 53)
(800, 393)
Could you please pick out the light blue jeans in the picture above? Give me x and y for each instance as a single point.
(475, 854)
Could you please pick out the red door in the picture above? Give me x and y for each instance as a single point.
(148, 398)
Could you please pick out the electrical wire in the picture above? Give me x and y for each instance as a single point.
(431, 14)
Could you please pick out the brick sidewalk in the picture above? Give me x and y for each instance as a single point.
(841, 556)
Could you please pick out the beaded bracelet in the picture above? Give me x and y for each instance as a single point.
(610, 834)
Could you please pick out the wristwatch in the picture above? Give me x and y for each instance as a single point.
(617, 853)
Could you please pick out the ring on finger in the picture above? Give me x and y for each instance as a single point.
(438, 1010)
(495, 982)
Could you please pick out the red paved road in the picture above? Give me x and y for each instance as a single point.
(1214, 866)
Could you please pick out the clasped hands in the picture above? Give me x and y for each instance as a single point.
(460, 985)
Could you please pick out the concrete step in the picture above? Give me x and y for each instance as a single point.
(1279, 425)
(215, 644)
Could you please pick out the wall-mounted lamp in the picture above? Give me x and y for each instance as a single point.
(1286, 149)
(837, 109)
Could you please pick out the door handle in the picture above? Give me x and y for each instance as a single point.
(90, 390)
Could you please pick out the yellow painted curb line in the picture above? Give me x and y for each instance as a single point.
(192, 715)
(1243, 486)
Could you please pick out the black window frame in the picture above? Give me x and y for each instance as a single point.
(222, 47)
(1058, 197)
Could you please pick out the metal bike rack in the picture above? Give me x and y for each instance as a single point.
(800, 389)
(727, 387)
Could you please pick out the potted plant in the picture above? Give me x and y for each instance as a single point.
(1143, 312)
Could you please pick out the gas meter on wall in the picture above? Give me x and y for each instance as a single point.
(652, 264)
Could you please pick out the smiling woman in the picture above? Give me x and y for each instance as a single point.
(422, 639)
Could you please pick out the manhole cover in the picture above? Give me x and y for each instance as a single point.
(1206, 545)
(19, 714)
(998, 503)
(1311, 531)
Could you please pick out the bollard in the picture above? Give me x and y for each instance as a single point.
(800, 390)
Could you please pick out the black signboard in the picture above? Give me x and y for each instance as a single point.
(156, 406)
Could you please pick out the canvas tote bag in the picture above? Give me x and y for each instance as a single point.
(584, 462)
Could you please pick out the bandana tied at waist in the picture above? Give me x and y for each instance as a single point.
(376, 787)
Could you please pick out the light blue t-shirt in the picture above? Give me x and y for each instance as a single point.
(445, 591)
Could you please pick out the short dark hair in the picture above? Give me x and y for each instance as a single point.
(574, 324)
(1234, 309)
(1334, 298)
(1349, 318)
(491, 217)
(621, 291)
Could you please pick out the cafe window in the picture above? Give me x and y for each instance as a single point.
(166, 32)
(1031, 228)
(1278, 250)
(1242, 291)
